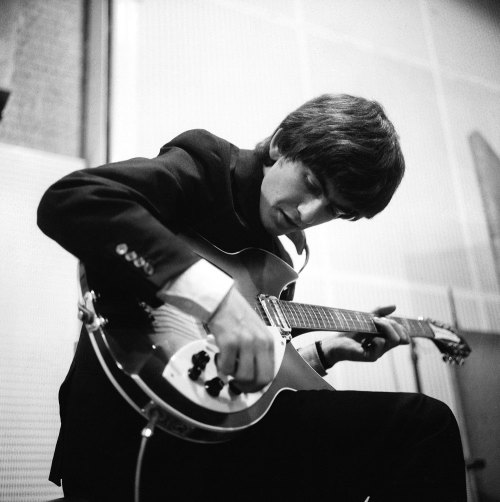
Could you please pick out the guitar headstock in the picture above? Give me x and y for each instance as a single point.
(453, 347)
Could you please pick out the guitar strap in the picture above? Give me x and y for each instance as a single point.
(299, 241)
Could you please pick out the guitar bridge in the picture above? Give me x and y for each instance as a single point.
(275, 315)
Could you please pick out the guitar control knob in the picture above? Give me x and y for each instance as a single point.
(194, 373)
(200, 359)
(214, 386)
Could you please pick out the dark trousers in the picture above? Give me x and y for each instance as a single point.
(319, 445)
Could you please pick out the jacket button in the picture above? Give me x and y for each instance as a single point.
(131, 255)
(121, 249)
(139, 262)
(148, 269)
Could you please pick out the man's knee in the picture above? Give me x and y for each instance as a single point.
(433, 421)
(438, 411)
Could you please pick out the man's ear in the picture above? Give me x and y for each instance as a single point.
(274, 151)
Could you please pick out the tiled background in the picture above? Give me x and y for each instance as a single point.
(237, 67)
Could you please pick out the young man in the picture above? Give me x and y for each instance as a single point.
(337, 156)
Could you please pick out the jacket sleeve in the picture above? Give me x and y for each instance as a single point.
(125, 216)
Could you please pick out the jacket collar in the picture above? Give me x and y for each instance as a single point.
(247, 176)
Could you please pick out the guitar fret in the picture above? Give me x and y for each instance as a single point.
(326, 315)
(319, 321)
(344, 322)
(416, 327)
(305, 315)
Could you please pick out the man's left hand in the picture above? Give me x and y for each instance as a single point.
(365, 347)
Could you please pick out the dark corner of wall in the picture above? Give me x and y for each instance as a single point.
(4, 97)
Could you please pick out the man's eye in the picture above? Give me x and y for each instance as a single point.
(336, 213)
(343, 214)
(349, 216)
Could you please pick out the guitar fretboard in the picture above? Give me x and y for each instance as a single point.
(318, 318)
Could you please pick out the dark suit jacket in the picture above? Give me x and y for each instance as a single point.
(121, 220)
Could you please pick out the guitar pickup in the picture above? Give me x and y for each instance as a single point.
(275, 315)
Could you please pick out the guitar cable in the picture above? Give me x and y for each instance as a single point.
(146, 433)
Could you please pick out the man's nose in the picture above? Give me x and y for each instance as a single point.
(310, 209)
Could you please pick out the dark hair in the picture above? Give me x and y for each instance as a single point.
(347, 140)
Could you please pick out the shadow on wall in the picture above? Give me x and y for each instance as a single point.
(487, 165)
(447, 262)
(4, 96)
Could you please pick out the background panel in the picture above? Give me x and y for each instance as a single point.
(384, 26)
(465, 35)
(424, 210)
(475, 109)
(202, 65)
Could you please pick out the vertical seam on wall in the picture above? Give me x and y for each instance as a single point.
(109, 75)
(452, 159)
(85, 75)
(304, 64)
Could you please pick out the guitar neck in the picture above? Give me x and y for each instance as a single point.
(318, 318)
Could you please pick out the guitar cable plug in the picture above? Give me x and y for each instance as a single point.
(148, 431)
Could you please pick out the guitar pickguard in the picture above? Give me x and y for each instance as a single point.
(177, 374)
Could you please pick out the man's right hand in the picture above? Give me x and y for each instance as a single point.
(246, 345)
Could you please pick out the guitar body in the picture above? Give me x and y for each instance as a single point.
(151, 366)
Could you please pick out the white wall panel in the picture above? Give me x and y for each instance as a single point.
(384, 26)
(39, 324)
(202, 65)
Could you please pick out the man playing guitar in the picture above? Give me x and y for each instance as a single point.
(336, 156)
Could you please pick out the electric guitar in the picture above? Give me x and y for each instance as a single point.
(169, 364)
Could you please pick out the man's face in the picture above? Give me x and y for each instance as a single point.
(292, 198)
